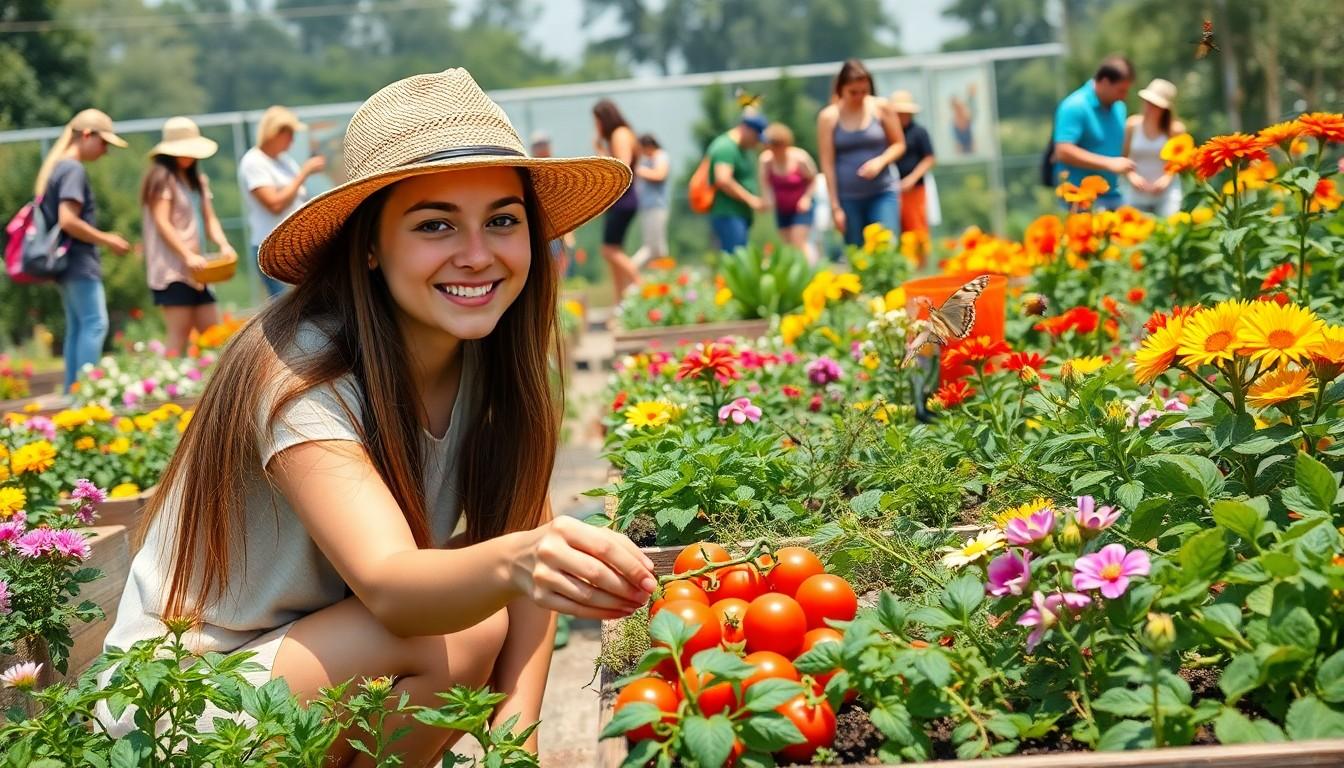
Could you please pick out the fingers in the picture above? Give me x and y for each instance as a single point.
(616, 552)
(554, 602)
(583, 593)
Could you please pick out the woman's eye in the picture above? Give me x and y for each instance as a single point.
(504, 220)
(434, 226)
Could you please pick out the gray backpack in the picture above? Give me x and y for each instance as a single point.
(34, 251)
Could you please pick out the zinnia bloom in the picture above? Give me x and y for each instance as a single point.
(1081, 319)
(1281, 133)
(1045, 612)
(1024, 361)
(1093, 519)
(1326, 196)
(1009, 574)
(1084, 193)
(953, 393)
(1110, 570)
(1179, 152)
(1136, 295)
(1324, 126)
(649, 413)
(1029, 530)
(23, 676)
(1082, 366)
(35, 543)
(824, 370)
(1274, 334)
(740, 411)
(1276, 276)
(715, 360)
(1222, 152)
(975, 351)
(973, 549)
(791, 327)
(1209, 336)
(1286, 385)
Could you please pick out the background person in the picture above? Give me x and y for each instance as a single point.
(1090, 130)
(1151, 187)
(789, 174)
(272, 182)
(914, 165)
(732, 171)
(561, 247)
(67, 199)
(651, 185)
(859, 140)
(616, 139)
(177, 212)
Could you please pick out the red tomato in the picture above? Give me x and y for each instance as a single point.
(715, 699)
(768, 664)
(795, 565)
(653, 691)
(697, 556)
(743, 582)
(707, 636)
(681, 589)
(776, 623)
(816, 723)
(827, 596)
(731, 612)
(813, 638)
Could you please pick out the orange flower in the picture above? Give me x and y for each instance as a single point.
(1327, 197)
(974, 350)
(710, 360)
(1179, 152)
(1080, 319)
(953, 394)
(665, 263)
(1081, 233)
(1043, 235)
(1226, 151)
(1136, 295)
(1276, 277)
(1325, 126)
(1083, 194)
(1281, 133)
(1110, 305)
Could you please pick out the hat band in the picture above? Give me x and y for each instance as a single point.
(473, 150)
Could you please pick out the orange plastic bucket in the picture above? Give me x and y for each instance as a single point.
(989, 308)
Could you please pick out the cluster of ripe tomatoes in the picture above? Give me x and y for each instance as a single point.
(771, 610)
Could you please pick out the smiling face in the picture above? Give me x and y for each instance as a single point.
(455, 251)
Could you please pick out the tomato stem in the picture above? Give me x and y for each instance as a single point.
(762, 547)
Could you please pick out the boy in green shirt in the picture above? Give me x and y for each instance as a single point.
(732, 171)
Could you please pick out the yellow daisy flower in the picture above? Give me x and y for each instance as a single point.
(11, 500)
(33, 457)
(1081, 366)
(973, 549)
(184, 420)
(1210, 335)
(118, 446)
(1022, 511)
(649, 413)
(1286, 385)
(124, 491)
(1273, 334)
(722, 296)
(1158, 351)
(85, 443)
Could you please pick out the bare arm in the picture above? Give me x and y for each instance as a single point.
(763, 173)
(213, 227)
(1129, 133)
(160, 211)
(826, 151)
(67, 218)
(354, 519)
(1072, 154)
(724, 182)
(921, 168)
(277, 199)
(623, 146)
(891, 125)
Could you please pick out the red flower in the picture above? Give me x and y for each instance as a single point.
(1019, 360)
(1136, 295)
(791, 391)
(716, 360)
(1277, 276)
(619, 402)
(814, 405)
(655, 315)
(1080, 319)
(1110, 305)
(953, 393)
(1159, 318)
(137, 313)
(974, 350)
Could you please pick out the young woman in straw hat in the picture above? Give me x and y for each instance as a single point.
(1151, 187)
(176, 215)
(401, 385)
(67, 199)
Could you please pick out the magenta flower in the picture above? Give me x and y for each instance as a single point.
(1045, 612)
(42, 424)
(788, 357)
(4, 598)
(1029, 530)
(1147, 418)
(70, 544)
(11, 531)
(35, 543)
(129, 398)
(1110, 570)
(171, 389)
(148, 385)
(88, 493)
(1093, 519)
(96, 373)
(157, 347)
(740, 411)
(1009, 574)
(823, 371)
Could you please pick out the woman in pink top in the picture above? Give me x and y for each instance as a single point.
(789, 174)
(176, 215)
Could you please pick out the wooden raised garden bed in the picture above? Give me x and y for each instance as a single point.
(632, 342)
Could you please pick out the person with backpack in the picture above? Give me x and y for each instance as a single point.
(731, 172)
(66, 201)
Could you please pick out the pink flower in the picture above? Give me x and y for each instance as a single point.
(740, 411)
(856, 350)
(70, 544)
(35, 543)
(157, 347)
(823, 371)
(171, 389)
(96, 374)
(87, 492)
(42, 424)
(149, 385)
(788, 357)
(1110, 570)
(22, 675)
(753, 388)
(129, 398)
(1045, 613)
(1032, 529)
(814, 405)
(11, 531)
(1175, 405)
(86, 514)
(1092, 518)
(4, 598)
(1009, 574)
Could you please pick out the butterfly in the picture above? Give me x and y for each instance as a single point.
(952, 320)
(747, 100)
(1205, 44)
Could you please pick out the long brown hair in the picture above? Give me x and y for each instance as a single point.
(851, 71)
(609, 117)
(162, 170)
(504, 477)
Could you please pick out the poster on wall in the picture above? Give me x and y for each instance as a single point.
(325, 137)
(961, 113)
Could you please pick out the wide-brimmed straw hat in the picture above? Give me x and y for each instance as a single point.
(97, 121)
(428, 124)
(1160, 93)
(903, 102)
(182, 138)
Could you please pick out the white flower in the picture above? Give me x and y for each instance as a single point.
(973, 549)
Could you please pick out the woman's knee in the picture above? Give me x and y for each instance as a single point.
(466, 657)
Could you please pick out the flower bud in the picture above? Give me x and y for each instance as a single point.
(1159, 632)
(1029, 376)
(1117, 415)
(1071, 537)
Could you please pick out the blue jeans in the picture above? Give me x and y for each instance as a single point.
(730, 231)
(85, 324)
(883, 208)
(273, 287)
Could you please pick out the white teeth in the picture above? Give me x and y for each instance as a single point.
(468, 291)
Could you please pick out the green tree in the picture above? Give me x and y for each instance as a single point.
(45, 73)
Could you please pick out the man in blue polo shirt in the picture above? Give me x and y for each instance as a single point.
(1090, 130)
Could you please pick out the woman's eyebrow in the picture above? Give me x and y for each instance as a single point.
(439, 205)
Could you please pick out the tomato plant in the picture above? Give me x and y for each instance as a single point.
(812, 639)
(712, 699)
(649, 690)
(793, 566)
(743, 582)
(681, 589)
(775, 622)
(732, 612)
(699, 615)
(827, 596)
(697, 556)
(815, 721)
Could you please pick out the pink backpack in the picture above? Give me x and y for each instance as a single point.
(33, 253)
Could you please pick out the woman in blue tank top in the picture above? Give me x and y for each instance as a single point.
(859, 141)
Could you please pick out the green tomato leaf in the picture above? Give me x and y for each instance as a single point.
(1316, 484)
(1184, 475)
(765, 695)
(1296, 628)
(769, 732)
(709, 741)
(933, 665)
(671, 630)
(891, 612)
(822, 658)
(1232, 727)
(1201, 555)
(1129, 495)
(1125, 702)
(1240, 677)
(1125, 735)
(640, 754)
(1330, 678)
(962, 596)
(722, 665)
(630, 717)
(1311, 718)
(1240, 518)
(893, 720)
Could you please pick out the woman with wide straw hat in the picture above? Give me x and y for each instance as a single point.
(1151, 187)
(177, 214)
(62, 186)
(404, 382)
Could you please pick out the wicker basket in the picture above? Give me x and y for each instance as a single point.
(217, 269)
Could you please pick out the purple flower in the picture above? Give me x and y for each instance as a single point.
(1175, 405)
(88, 493)
(1029, 530)
(823, 371)
(1045, 612)
(42, 424)
(86, 514)
(35, 543)
(1092, 518)
(740, 411)
(1009, 574)
(4, 598)
(70, 544)
(856, 350)
(1110, 570)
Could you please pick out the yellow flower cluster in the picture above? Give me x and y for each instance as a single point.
(1021, 512)
(825, 286)
(78, 417)
(36, 457)
(12, 500)
(124, 491)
